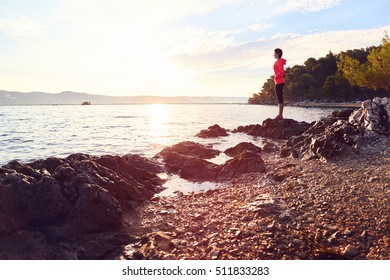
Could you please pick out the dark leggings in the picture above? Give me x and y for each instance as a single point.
(279, 92)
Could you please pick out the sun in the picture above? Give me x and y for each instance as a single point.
(160, 74)
(158, 66)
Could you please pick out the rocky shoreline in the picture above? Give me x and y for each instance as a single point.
(312, 191)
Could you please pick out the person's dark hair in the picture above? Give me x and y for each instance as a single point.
(279, 52)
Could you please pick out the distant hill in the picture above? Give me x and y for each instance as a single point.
(69, 97)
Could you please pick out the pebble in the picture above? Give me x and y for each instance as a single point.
(372, 179)
(193, 228)
(211, 236)
(214, 253)
(350, 251)
(234, 252)
(330, 227)
(347, 232)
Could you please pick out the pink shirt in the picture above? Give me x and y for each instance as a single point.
(279, 70)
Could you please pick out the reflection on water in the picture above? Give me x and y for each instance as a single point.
(158, 125)
(176, 184)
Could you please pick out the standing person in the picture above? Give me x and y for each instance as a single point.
(279, 80)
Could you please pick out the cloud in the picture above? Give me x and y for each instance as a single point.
(193, 41)
(133, 11)
(297, 48)
(303, 5)
(316, 45)
(19, 27)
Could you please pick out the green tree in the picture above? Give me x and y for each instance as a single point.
(352, 75)
(329, 89)
(374, 73)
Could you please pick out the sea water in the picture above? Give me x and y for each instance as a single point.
(28, 133)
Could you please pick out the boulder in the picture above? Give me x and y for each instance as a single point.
(283, 129)
(364, 131)
(275, 129)
(187, 159)
(325, 146)
(252, 129)
(94, 211)
(190, 165)
(241, 147)
(321, 140)
(143, 163)
(373, 116)
(212, 132)
(133, 179)
(40, 203)
(60, 205)
(190, 148)
(249, 161)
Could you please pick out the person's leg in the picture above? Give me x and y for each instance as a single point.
(281, 106)
(279, 95)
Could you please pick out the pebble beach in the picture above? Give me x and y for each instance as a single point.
(296, 210)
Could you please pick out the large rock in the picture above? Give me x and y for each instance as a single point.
(252, 129)
(70, 200)
(346, 133)
(190, 148)
(283, 129)
(94, 211)
(249, 161)
(275, 129)
(373, 115)
(212, 132)
(241, 147)
(191, 165)
(130, 181)
(187, 159)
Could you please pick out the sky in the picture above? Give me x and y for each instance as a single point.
(173, 48)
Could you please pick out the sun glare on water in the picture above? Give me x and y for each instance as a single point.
(157, 128)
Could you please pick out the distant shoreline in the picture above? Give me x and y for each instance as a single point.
(318, 104)
(327, 105)
(135, 103)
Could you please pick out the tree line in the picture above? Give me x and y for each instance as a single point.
(349, 76)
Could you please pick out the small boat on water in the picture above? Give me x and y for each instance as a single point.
(86, 103)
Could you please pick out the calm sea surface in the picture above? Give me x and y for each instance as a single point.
(33, 132)
(28, 133)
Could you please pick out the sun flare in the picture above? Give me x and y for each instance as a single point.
(158, 66)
